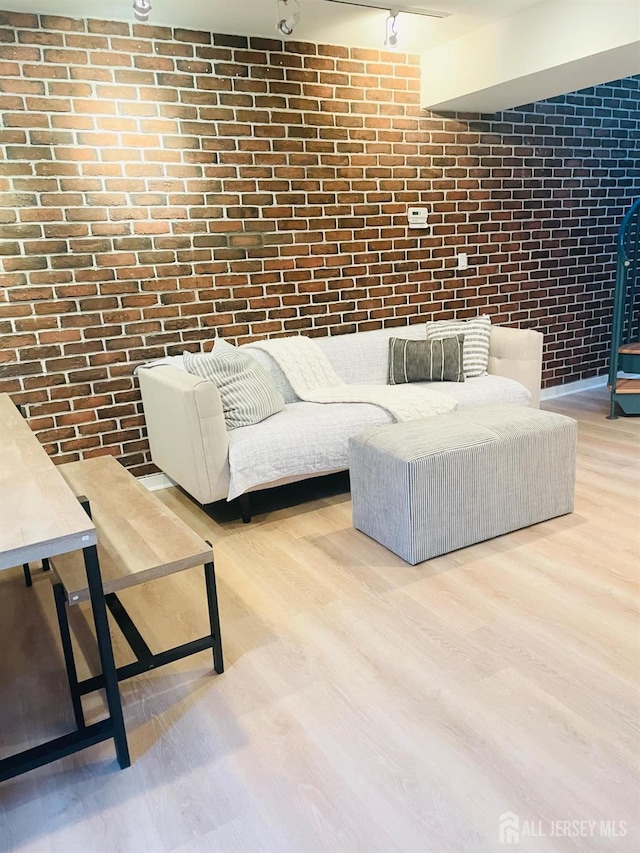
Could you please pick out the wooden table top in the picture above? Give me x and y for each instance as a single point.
(39, 514)
(139, 538)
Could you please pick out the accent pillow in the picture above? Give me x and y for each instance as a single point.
(426, 361)
(476, 331)
(246, 389)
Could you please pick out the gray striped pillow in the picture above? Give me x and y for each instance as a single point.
(477, 333)
(247, 391)
(426, 361)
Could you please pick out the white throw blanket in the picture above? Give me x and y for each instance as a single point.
(315, 381)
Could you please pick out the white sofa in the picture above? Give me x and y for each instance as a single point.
(190, 442)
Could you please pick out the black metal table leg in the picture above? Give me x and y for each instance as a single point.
(27, 571)
(53, 750)
(214, 617)
(103, 636)
(111, 728)
(67, 650)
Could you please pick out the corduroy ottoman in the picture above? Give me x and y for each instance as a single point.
(424, 488)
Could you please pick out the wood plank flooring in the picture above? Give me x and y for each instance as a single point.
(367, 705)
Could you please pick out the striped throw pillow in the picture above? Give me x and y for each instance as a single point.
(247, 391)
(476, 331)
(426, 361)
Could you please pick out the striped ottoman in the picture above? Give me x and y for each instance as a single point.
(423, 488)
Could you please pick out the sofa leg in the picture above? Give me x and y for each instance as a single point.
(245, 508)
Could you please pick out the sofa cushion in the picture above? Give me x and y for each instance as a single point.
(246, 389)
(317, 435)
(477, 333)
(302, 440)
(483, 390)
(425, 361)
(363, 358)
(360, 358)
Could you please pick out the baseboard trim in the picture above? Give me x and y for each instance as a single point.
(155, 482)
(573, 387)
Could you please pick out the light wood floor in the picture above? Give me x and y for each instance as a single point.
(367, 705)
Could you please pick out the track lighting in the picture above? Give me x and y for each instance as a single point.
(142, 9)
(383, 4)
(391, 35)
(288, 16)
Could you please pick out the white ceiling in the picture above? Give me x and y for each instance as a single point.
(549, 49)
(485, 56)
(320, 21)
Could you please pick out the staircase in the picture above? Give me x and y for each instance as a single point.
(625, 333)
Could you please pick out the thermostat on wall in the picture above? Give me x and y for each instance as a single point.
(418, 217)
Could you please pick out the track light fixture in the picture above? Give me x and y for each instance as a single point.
(142, 9)
(391, 31)
(288, 16)
(384, 4)
(391, 35)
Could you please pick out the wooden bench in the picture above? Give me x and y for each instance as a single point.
(139, 540)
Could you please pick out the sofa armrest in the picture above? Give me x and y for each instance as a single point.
(187, 432)
(517, 354)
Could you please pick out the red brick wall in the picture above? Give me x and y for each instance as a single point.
(159, 187)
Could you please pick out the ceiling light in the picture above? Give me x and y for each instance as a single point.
(288, 16)
(391, 35)
(142, 9)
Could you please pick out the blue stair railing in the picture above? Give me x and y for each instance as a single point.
(625, 332)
